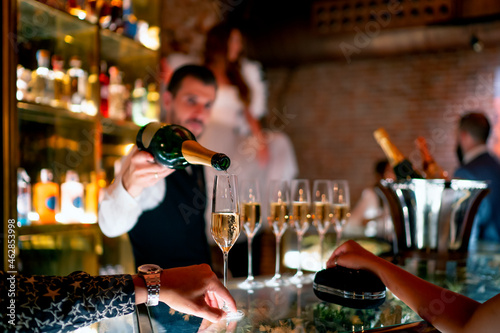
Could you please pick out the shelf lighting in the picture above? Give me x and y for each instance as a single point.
(69, 39)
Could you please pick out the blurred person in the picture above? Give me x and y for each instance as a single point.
(62, 303)
(370, 217)
(455, 313)
(477, 163)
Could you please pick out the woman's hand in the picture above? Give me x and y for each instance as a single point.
(352, 255)
(195, 290)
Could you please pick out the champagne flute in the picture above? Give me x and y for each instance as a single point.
(299, 220)
(278, 218)
(225, 226)
(341, 206)
(250, 219)
(322, 214)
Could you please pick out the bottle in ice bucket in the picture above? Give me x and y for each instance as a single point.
(175, 147)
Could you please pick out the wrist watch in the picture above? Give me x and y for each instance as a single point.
(151, 274)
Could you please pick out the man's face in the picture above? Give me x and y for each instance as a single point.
(192, 104)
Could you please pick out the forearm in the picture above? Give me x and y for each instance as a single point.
(55, 303)
(444, 309)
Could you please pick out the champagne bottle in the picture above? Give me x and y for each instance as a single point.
(402, 167)
(175, 147)
(429, 165)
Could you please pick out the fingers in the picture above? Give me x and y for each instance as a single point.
(210, 313)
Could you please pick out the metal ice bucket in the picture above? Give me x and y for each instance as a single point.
(433, 216)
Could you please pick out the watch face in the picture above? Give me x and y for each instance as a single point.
(149, 269)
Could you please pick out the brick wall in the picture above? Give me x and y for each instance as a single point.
(333, 108)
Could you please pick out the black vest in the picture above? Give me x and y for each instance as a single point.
(173, 234)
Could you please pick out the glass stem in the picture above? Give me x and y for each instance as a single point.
(339, 235)
(321, 250)
(250, 268)
(278, 247)
(225, 268)
(299, 247)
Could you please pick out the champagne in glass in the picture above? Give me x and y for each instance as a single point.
(278, 218)
(250, 219)
(299, 220)
(341, 206)
(322, 213)
(225, 227)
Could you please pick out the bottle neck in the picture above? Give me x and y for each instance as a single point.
(393, 154)
(194, 153)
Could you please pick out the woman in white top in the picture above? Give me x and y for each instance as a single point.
(234, 126)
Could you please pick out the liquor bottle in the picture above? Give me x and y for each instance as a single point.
(60, 97)
(92, 195)
(89, 104)
(72, 198)
(431, 169)
(402, 167)
(46, 198)
(23, 84)
(175, 147)
(78, 84)
(116, 23)
(105, 14)
(104, 83)
(129, 20)
(139, 104)
(116, 92)
(23, 197)
(40, 78)
(153, 111)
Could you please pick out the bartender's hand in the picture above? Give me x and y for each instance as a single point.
(352, 255)
(141, 171)
(195, 290)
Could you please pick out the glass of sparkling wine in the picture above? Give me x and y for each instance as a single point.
(341, 206)
(299, 220)
(322, 212)
(250, 220)
(225, 226)
(278, 218)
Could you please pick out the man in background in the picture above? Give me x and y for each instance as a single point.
(477, 163)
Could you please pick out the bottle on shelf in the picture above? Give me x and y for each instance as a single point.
(71, 198)
(104, 83)
(89, 104)
(77, 8)
(46, 198)
(92, 195)
(139, 104)
(23, 84)
(91, 9)
(77, 84)
(402, 167)
(40, 88)
(129, 20)
(23, 197)
(60, 96)
(105, 14)
(153, 110)
(116, 23)
(175, 146)
(116, 94)
(430, 167)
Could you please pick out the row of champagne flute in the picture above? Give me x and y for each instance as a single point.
(295, 207)
(236, 208)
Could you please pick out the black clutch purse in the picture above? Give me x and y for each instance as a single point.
(357, 289)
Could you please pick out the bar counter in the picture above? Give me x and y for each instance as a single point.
(296, 309)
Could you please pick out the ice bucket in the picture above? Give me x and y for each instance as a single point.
(433, 217)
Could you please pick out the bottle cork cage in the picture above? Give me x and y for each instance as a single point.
(347, 15)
